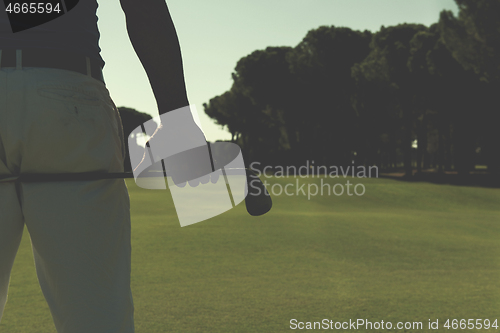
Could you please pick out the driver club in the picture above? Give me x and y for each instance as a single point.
(257, 202)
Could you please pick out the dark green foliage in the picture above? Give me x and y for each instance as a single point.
(474, 37)
(321, 74)
(343, 95)
(386, 93)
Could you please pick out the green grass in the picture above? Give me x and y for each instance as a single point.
(401, 252)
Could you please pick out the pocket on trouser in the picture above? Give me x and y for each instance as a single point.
(117, 124)
(72, 128)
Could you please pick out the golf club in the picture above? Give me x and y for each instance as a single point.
(257, 202)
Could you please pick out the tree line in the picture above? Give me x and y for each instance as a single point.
(408, 95)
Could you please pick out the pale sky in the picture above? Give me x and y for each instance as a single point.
(215, 34)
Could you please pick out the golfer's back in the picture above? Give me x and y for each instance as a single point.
(75, 31)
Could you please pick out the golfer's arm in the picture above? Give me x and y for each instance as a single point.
(153, 36)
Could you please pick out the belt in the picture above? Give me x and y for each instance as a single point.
(51, 59)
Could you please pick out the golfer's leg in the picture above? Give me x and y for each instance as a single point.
(11, 230)
(11, 219)
(80, 232)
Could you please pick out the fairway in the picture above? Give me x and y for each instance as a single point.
(402, 252)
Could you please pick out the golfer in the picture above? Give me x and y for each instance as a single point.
(57, 116)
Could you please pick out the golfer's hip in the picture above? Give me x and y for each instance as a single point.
(55, 120)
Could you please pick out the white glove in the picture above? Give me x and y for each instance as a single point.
(178, 146)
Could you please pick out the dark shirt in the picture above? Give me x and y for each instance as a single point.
(75, 31)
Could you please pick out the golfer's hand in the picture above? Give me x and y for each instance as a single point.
(182, 146)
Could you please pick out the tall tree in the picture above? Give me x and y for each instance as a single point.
(474, 37)
(446, 93)
(474, 40)
(261, 87)
(422, 45)
(388, 62)
(321, 72)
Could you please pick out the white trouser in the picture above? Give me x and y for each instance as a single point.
(54, 121)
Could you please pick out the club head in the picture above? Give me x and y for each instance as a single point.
(258, 201)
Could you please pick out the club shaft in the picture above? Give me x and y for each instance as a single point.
(88, 176)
